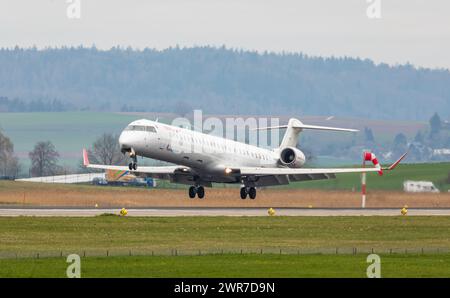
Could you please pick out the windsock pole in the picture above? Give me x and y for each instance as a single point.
(363, 186)
(368, 156)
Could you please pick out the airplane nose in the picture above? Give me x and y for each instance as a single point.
(125, 142)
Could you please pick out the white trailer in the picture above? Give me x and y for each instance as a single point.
(419, 186)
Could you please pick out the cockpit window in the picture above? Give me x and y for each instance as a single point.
(135, 127)
(141, 128)
(151, 129)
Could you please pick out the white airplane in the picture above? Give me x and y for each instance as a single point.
(202, 159)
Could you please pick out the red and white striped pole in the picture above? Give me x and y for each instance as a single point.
(363, 184)
(368, 156)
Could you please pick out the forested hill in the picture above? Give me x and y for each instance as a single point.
(217, 80)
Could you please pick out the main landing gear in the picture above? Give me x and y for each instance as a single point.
(248, 191)
(196, 190)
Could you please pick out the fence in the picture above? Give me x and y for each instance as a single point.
(204, 252)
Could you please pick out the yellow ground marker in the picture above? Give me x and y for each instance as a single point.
(404, 211)
(271, 211)
(123, 212)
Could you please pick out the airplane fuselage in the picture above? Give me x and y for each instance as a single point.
(206, 154)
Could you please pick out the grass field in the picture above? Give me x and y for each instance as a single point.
(308, 246)
(233, 265)
(213, 234)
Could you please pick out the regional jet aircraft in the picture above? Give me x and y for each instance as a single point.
(201, 159)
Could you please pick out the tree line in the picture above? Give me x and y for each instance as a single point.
(35, 105)
(422, 146)
(218, 80)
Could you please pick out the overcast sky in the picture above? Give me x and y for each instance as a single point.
(415, 31)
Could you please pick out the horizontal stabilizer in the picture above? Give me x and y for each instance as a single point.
(304, 126)
(295, 126)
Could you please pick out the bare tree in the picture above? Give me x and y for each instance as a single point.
(9, 163)
(106, 150)
(44, 159)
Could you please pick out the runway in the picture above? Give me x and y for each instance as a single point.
(146, 212)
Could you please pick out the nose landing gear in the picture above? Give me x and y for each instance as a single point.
(133, 165)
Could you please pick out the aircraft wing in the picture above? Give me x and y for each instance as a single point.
(250, 171)
(157, 172)
(283, 176)
(279, 176)
(141, 169)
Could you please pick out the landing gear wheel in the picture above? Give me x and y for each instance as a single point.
(243, 193)
(200, 192)
(133, 165)
(192, 192)
(252, 193)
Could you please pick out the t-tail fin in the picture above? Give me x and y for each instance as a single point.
(295, 127)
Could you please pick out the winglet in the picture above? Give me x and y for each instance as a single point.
(85, 158)
(395, 164)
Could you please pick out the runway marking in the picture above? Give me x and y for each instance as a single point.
(79, 212)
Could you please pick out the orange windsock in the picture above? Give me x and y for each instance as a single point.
(369, 156)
